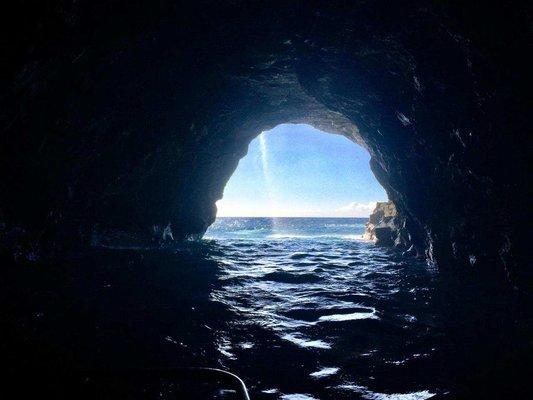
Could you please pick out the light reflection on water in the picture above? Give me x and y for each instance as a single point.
(317, 314)
(332, 315)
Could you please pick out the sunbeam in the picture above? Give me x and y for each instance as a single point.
(269, 182)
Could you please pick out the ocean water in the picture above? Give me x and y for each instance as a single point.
(229, 228)
(335, 316)
(299, 308)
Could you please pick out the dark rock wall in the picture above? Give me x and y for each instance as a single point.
(131, 116)
(386, 227)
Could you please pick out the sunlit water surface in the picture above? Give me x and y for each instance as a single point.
(318, 313)
(300, 309)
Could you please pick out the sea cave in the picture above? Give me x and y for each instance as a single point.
(122, 123)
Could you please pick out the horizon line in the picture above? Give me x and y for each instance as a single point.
(286, 216)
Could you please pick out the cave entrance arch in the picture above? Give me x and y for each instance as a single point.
(296, 170)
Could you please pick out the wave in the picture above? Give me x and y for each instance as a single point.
(316, 236)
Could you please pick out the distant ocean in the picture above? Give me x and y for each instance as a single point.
(271, 228)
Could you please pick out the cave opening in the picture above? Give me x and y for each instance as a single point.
(122, 124)
(295, 171)
(298, 275)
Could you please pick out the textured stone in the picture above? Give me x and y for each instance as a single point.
(380, 227)
(386, 227)
(132, 117)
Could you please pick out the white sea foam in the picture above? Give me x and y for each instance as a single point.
(317, 344)
(348, 317)
(324, 372)
(370, 395)
(297, 396)
(321, 236)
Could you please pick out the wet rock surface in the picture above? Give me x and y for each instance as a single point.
(131, 117)
(387, 227)
(381, 226)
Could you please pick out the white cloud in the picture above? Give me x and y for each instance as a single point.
(351, 210)
(356, 209)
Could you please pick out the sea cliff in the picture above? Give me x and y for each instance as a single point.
(387, 227)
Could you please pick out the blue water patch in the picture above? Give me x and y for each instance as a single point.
(324, 306)
(279, 228)
(297, 308)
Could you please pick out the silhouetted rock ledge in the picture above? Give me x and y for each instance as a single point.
(387, 227)
(380, 225)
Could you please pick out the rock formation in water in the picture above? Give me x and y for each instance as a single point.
(121, 117)
(387, 227)
(381, 227)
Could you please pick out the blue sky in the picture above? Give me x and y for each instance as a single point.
(297, 170)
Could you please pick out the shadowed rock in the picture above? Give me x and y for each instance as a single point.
(381, 227)
(131, 118)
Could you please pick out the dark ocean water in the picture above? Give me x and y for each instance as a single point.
(300, 309)
(338, 316)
